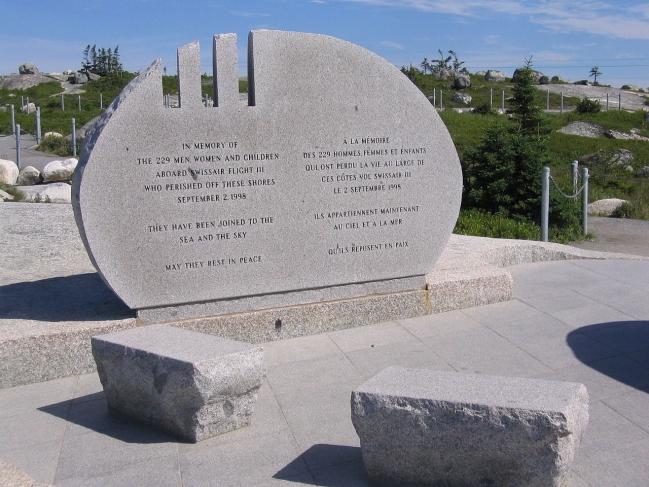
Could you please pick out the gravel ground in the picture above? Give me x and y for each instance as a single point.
(617, 235)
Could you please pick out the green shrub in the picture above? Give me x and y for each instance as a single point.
(625, 210)
(588, 106)
(502, 175)
(485, 109)
(56, 145)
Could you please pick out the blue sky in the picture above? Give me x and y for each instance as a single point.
(565, 37)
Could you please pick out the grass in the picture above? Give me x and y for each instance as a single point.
(481, 224)
(16, 193)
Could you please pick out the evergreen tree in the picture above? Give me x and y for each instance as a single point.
(101, 61)
(524, 105)
(594, 71)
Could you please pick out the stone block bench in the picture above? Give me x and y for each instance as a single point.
(192, 385)
(424, 427)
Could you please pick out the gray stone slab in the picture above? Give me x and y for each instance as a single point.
(161, 472)
(439, 428)
(192, 385)
(496, 355)
(364, 337)
(609, 376)
(330, 185)
(328, 370)
(271, 301)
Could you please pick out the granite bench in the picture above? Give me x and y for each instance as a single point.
(190, 384)
(424, 427)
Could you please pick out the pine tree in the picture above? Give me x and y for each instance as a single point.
(524, 105)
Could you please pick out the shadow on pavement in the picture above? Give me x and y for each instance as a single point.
(81, 297)
(630, 339)
(330, 466)
(91, 412)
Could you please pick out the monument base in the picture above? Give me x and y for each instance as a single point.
(444, 291)
(167, 314)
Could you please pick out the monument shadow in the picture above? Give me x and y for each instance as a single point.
(330, 466)
(91, 412)
(630, 339)
(80, 297)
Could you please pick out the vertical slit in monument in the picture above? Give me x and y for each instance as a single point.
(226, 70)
(278, 325)
(251, 74)
(189, 76)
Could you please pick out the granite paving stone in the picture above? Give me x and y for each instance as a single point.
(241, 463)
(633, 405)
(608, 430)
(303, 435)
(363, 337)
(108, 451)
(590, 314)
(438, 324)
(619, 467)
(161, 472)
(295, 349)
(544, 338)
(495, 313)
(318, 372)
(609, 376)
(371, 361)
(497, 356)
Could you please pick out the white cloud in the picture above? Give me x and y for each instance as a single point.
(566, 16)
(318, 1)
(391, 44)
(247, 14)
(492, 39)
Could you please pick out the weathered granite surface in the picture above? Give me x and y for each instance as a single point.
(327, 183)
(424, 427)
(192, 385)
(12, 477)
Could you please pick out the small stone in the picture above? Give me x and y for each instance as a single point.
(462, 98)
(52, 134)
(462, 81)
(28, 68)
(8, 172)
(59, 170)
(29, 176)
(495, 76)
(605, 207)
(544, 80)
(643, 173)
(79, 78)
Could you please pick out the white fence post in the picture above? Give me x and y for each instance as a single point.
(13, 120)
(74, 138)
(18, 145)
(584, 198)
(545, 203)
(38, 125)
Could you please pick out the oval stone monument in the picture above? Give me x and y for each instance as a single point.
(335, 179)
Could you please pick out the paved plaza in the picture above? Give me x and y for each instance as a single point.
(580, 320)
